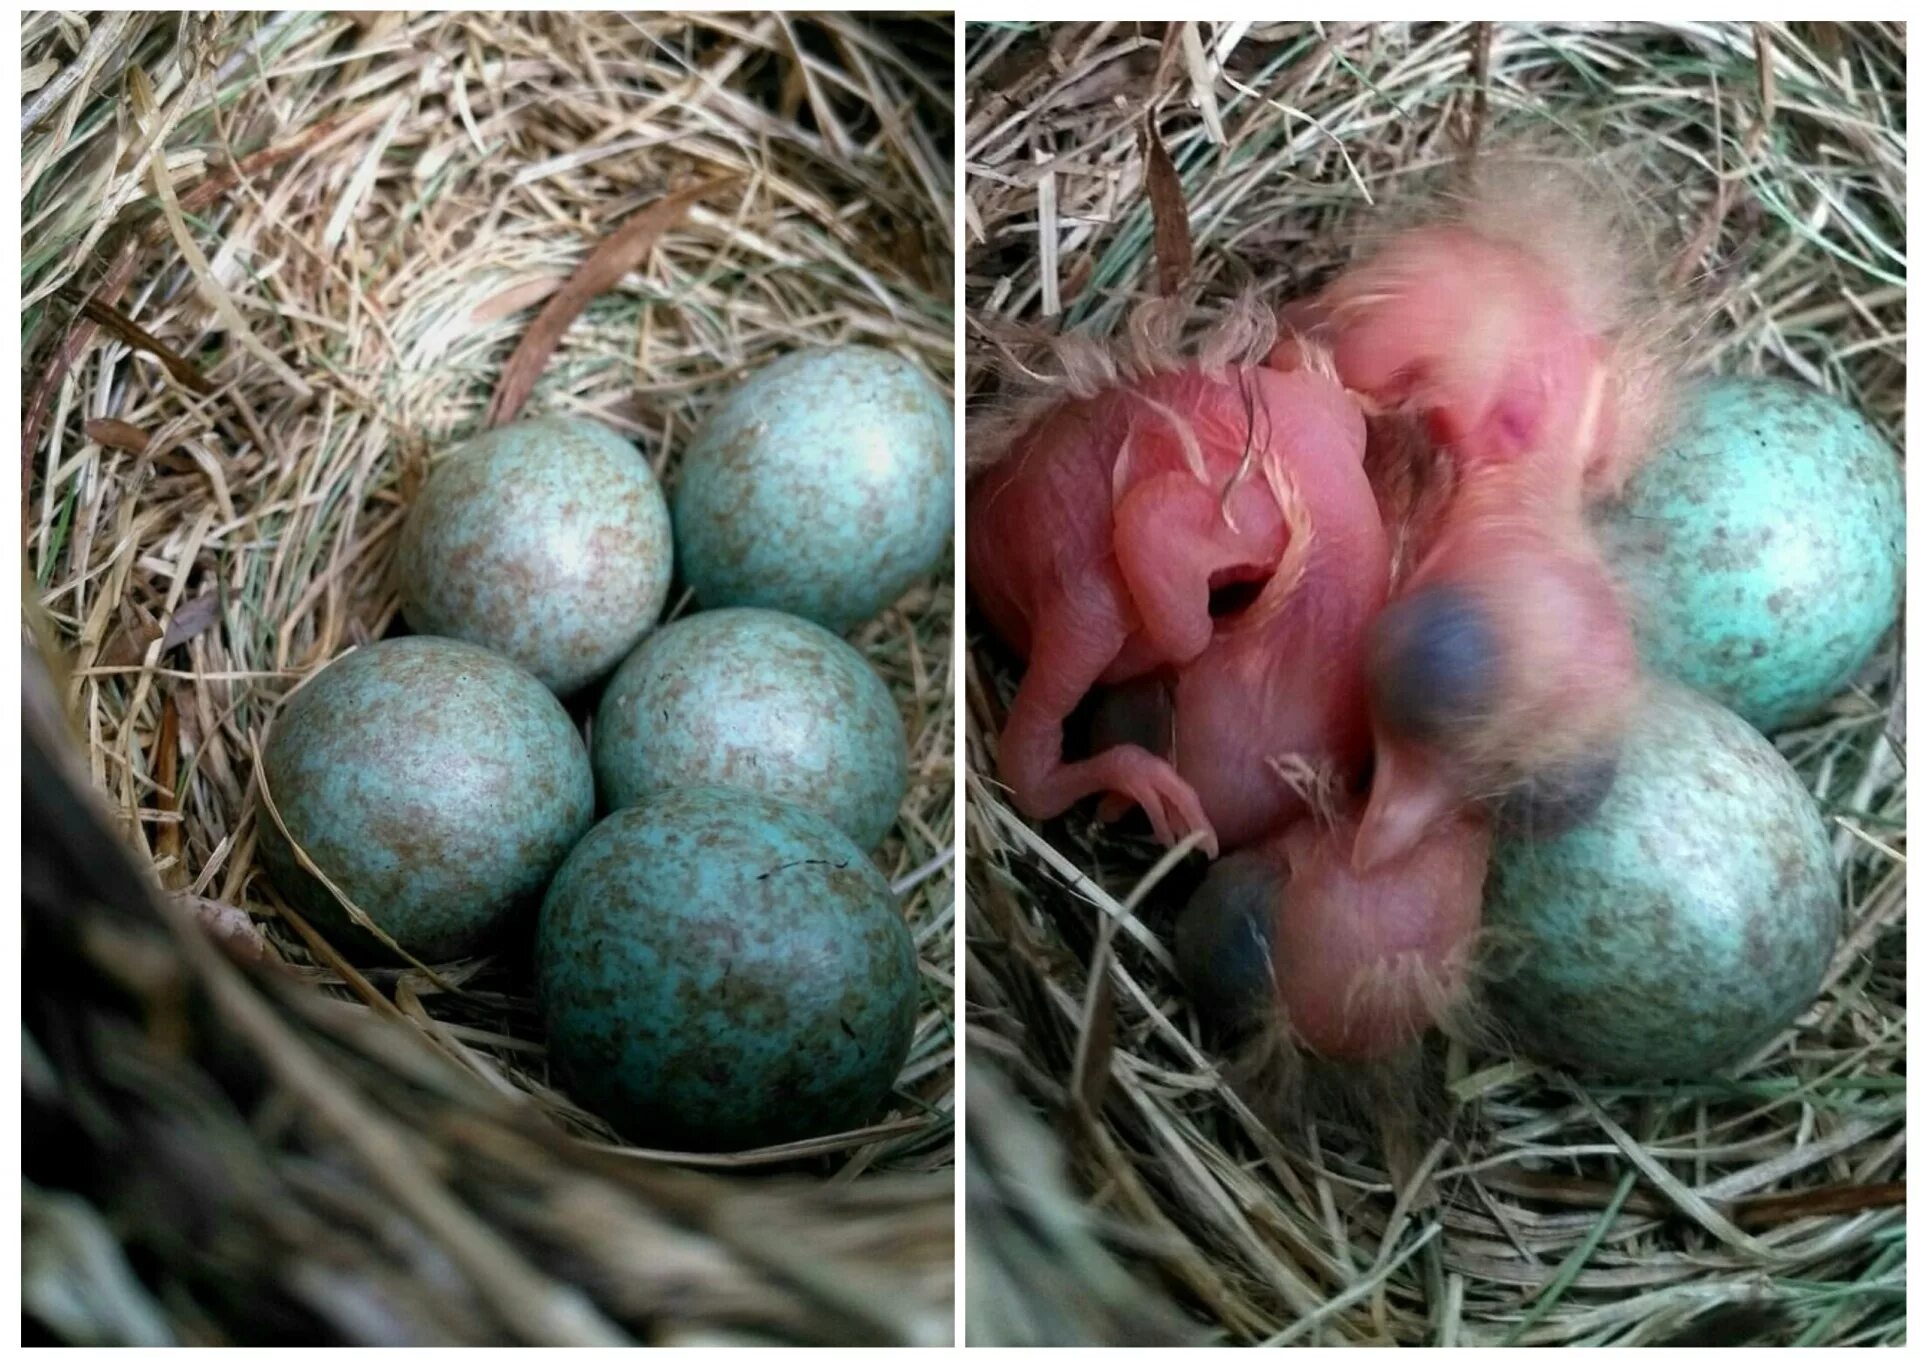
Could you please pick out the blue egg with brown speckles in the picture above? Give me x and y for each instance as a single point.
(748, 698)
(822, 486)
(720, 971)
(1685, 922)
(546, 540)
(1763, 548)
(436, 784)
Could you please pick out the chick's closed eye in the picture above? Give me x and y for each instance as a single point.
(1433, 663)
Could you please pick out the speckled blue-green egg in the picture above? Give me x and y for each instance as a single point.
(752, 699)
(438, 785)
(720, 970)
(546, 540)
(1763, 548)
(821, 486)
(1689, 920)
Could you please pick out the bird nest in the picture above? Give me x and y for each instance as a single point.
(273, 264)
(1119, 1185)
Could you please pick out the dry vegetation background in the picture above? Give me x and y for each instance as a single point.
(1118, 1189)
(272, 266)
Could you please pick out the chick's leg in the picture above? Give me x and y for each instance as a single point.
(1076, 637)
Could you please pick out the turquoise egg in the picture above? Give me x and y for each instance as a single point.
(751, 699)
(720, 971)
(823, 486)
(1689, 921)
(436, 784)
(1763, 548)
(547, 541)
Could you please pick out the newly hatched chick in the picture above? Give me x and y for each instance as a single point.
(1504, 390)
(1354, 964)
(1501, 672)
(1503, 668)
(1211, 520)
(1515, 323)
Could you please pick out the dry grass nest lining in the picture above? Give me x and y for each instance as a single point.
(1541, 1210)
(275, 262)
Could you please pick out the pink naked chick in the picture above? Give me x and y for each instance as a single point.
(1503, 667)
(1355, 965)
(1100, 546)
(1501, 398)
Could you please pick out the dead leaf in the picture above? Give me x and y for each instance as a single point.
(1172, 238)
(615, 257)
(129, 645)
(118, 434)
(191, 619)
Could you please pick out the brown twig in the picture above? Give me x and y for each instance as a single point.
(125, 330)
(1832, 1200)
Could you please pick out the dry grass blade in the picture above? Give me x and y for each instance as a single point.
(1039, 1270)
(337, 220)
(1771, 159)
(142, 92)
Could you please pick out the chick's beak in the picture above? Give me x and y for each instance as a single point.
(1410, 795)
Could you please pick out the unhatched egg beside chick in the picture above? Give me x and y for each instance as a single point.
(1223, 942)
(1690, 919)
(1356, 964)
(1764, 547)
(545, 540)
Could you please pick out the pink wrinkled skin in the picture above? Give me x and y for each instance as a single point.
(1480, 336)
(1567, 658)
(1438, 419)
(1366, 962)
(1500, 358)
(1095, 547)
